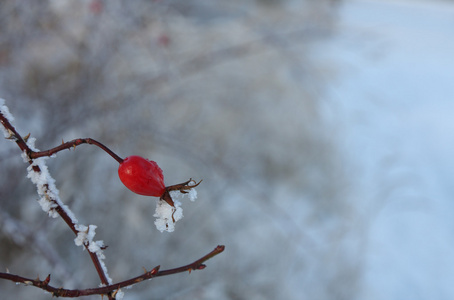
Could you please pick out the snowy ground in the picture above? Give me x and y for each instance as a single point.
(395, 99)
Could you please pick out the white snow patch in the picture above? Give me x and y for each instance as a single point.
(167, 215)
(119, 295)
(5, 112)
(192, 194)
(85, 237)
(49, 197)
(48, 192)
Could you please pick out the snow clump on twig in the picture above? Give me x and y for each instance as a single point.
(85, 235)
(167, 215)
(5, 112)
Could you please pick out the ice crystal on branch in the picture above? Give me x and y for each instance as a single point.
(192, 194)
(5, 112)
(85, 235)
(49, 199)
(167, 215)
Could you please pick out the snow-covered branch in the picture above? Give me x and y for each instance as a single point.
(49, 195)
(168, 211)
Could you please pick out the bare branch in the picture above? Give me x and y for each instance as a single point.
(110, 289)
(73, 144)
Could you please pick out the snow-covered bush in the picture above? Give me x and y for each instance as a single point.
(167, 213)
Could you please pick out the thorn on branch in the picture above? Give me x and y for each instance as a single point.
(114, 294)
(155, 270)
(28, 282)
(46, 281)
(12, 135)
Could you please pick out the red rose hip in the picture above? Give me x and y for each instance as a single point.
(142, 176)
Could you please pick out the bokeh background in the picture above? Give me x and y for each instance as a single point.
(322, 131)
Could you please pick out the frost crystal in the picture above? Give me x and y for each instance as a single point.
(39, 175)
(81, 235)
(49, 199)
(119, 295)
(47, 191)
(85, 237)
(192, 194)
(5, 112)
(167, 215)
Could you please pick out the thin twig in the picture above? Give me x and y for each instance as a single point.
(73, 144)
(197, 265)
(110, 289)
